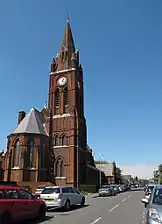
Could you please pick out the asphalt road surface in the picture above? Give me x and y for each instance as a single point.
(124, 208)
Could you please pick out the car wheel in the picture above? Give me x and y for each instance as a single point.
(67, 205)
(41, 213)
(6, 218)
(83, 202)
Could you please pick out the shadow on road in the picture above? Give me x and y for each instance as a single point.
(73, 208)
(35, 222)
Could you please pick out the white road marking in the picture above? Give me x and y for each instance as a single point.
(129, 196)
(124, 200)
(113, 208)
(97, 220)
(49, 209)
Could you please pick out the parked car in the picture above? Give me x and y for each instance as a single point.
(62, 197)
(107, 190)
(120, 188)
(18, 204)
(39, 190)
(148, 190)
(116, 188)
(153, 205)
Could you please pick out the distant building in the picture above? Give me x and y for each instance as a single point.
(127, 178)
(112, 172)
(1, 165)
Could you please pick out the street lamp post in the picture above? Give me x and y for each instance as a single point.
(100, 171)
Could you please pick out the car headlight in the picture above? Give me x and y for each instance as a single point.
(154, 215)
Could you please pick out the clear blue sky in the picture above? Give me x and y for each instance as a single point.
(120, 46)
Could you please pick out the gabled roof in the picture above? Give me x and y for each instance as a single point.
(32, 123)
(107, 168)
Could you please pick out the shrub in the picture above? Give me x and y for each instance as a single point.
(88, 188)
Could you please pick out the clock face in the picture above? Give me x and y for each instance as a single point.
(62, 81)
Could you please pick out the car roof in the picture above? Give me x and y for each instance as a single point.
(151, 185)
(159, 186)
(57, 186)
(9, 187)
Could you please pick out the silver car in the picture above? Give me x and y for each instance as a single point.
(106, 190)
(153, 206)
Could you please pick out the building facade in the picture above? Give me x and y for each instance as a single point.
(1, 165)
(51, 145)
(111, 171)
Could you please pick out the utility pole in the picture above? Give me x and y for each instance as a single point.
(77, 122)
(100, 171)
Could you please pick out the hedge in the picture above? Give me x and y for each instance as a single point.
(88, 188)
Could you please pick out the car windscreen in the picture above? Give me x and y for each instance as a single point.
(150, 189)
(157, 197)
(51, 190)
(105, 186)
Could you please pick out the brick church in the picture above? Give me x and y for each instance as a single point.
(51, 145)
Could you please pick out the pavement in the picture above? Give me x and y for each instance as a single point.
(124, 208)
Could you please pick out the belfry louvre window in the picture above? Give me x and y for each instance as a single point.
(64, 140)
(66, 99)
(56, 140)
(57, 101)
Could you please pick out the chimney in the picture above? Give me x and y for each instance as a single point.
(21, 116)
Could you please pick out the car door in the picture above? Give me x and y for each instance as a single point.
(71, 196)
(30, 205)
(15, 205)
(78, 196)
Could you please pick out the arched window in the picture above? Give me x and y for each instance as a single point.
(65, 99)
(59, 168)
(56, 140)
(31, 154)
(16, 154)
(57, 101)
(64, 140)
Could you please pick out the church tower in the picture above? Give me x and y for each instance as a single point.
(67, 124)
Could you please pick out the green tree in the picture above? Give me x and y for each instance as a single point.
(136, 179)
(160, 174)
(156, 176)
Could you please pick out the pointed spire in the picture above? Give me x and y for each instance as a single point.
(68, 42)
(67, 58)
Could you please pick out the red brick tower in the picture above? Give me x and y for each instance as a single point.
(66, 103)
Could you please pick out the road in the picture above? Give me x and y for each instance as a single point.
(124, 208)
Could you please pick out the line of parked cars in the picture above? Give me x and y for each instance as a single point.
(112, 190)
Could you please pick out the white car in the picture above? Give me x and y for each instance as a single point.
(39, 190)
(62, 197)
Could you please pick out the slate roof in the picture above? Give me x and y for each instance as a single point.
(32, 123)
